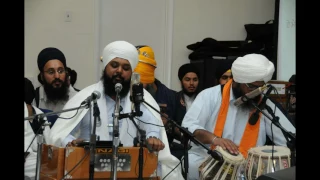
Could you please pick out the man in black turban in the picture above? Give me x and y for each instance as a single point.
(55, 90)
(223, 71)
(189, 78)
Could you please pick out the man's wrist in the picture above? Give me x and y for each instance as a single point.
(214, 138)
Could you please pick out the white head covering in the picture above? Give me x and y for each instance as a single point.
(120, 49)
(251, 68)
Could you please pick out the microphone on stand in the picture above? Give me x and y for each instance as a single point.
(116, 136)
(136, 97)
(136, 93)
(118, 87)
(255, 116)
(94, 96)
(250, 95)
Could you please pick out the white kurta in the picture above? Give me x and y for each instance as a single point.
(204, 112)
(63, 127)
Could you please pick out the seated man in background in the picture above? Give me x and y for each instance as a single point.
(119, 59)
(223, 72)
(215, 121)
(164, 96)
(55, 90)
(189, 76)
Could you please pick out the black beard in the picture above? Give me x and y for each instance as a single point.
(237, 92)
(109, 85)
(56, 94)
(190, 94)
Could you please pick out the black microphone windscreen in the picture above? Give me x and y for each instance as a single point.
(254, 118)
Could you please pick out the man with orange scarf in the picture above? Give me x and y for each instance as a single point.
(215, 121)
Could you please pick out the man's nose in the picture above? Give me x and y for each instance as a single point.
(56, 75)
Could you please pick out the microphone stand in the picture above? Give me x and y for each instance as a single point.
(142, 138)
(115, 138)
(187, 136)
(39, 148)
(290, 137)
(55, 113)
(40, 133)
(93, 139)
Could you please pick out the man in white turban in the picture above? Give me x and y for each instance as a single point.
(215, 121)
(119, 59)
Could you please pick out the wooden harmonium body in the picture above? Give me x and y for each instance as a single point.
(73, 163)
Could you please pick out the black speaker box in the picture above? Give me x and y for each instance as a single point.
(283, 174)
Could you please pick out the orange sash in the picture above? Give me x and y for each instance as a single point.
(251, 132)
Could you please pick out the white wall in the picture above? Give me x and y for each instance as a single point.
(96, 23)
(140, 22)
(218, 19)
(45, 26)
(287, 40)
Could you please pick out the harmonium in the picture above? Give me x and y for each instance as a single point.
(73, 163)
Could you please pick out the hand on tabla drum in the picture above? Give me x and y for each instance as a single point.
(226, 144)
(225, 170)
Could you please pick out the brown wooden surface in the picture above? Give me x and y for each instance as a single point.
(75, 154)
(52, 162)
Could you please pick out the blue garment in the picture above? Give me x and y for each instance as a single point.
(167, 96)
(52, 118)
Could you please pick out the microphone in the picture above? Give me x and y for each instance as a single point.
(118, 87)
(255, 116)
(94, 96)
(249, 95)
(136, 93)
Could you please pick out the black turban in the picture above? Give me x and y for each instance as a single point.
(186, 68)
(223, 66)
(73, 76)
(48, 54)
(29, 92)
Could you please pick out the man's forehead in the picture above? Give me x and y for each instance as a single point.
(191, 74)
(53, 62)
(120, 61)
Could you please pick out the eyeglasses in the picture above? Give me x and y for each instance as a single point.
(52, 71)
(252, 86)
(224, 77)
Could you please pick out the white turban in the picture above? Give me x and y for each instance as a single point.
(251, 68)
(120, 49)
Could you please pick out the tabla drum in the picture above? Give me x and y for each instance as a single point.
(266, 159)
(212, 169)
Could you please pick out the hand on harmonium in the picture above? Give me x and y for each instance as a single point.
(226, 144)
(155, 144)
(75, 142)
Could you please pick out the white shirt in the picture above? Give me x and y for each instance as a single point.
(84, 127)
(188, 100)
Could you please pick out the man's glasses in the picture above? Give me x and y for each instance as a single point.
(224, 77)
(52, 71)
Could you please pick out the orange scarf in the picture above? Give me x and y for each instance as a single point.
(250, 135)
